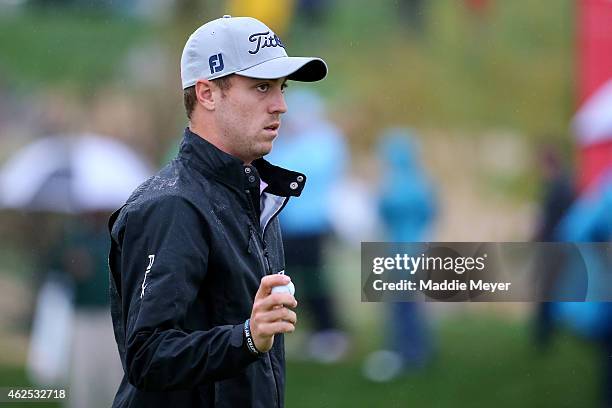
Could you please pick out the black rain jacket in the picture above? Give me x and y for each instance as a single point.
(188, 251)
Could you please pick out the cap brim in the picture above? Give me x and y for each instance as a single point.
(303, 69)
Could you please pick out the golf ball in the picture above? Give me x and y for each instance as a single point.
(288, 288)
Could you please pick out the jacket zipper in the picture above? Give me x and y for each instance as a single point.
(261, 245)
(252, 207)
(260, 256)
(265, 261)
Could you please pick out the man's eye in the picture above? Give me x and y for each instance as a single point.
(284, 87)
(263, 87)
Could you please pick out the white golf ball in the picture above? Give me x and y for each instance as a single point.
(288, 288)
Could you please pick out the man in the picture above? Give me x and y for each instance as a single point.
(196, 250)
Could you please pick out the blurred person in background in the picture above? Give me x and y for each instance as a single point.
(65, 186)
(557, 192)
(407, 208)
(557, 196)
(589, 219)
(82, 253)
(312, 144)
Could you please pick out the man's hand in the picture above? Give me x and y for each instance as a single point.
(270, 314)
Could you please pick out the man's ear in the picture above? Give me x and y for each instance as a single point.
(204, 94)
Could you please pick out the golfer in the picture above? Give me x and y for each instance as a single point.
(196, 250)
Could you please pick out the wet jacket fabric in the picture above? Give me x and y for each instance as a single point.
(188, 251)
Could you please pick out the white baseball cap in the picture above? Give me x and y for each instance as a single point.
(243, 46)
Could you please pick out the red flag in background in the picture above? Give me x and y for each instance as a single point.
(593, 120)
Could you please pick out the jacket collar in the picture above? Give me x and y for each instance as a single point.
(230, 170)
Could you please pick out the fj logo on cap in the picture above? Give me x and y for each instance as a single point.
(269, 41)
(216, 63)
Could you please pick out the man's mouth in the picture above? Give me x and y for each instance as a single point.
(273, 127)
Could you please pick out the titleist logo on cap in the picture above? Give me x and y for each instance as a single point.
(269, 41)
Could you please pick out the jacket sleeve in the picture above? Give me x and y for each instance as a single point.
(164, 254)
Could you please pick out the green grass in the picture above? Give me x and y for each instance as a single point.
(481, 362)
(64, 48)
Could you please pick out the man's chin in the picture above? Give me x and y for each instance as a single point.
(266, 148)
(261, 151)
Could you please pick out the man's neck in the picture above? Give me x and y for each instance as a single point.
(212, 137)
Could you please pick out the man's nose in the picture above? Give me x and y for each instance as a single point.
(278, 104)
